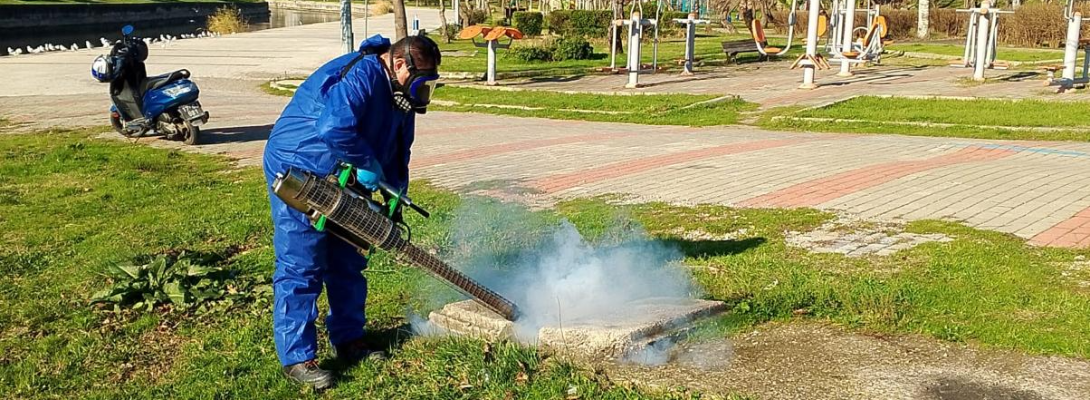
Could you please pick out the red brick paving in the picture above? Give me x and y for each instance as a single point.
(818, 191)
(457, 129)
(1074, 232)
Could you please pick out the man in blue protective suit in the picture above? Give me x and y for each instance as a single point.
(358, 109)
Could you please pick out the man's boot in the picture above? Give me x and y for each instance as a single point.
(356, 350)
(307, 372)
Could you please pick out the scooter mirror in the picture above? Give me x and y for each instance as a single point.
(126, 30)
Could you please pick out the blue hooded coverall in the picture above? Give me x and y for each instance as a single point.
(330, 120)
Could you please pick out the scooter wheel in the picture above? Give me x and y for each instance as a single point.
(193, 137)
(115, 121)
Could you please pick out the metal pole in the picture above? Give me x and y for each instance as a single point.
(346, 26)
(457, 9)
(690, 34)
(1071, 48)
(808, 68)
(655, 46)
(849, 27)
(983, 35)
(970, 39)
(634, 31)
(613, 47)
(491, 62)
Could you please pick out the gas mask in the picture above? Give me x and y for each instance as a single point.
(416, 93)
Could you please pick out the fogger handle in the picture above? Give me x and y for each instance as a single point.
(404, 199)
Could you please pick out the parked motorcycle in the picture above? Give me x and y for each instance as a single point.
(147, 106)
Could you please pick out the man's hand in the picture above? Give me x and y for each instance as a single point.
(369, 176)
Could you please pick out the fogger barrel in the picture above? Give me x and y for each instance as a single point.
(351, 218)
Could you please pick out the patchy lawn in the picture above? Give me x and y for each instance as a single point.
(976, 118)
(70, 206)
(1003, 53)
(657, 109)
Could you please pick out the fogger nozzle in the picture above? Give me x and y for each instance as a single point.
(350, 217)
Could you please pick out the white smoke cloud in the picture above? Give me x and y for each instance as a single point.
(553, 274)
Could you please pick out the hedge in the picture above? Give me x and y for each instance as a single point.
(1033, 25)
(528, 22)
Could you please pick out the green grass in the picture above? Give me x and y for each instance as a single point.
(1003, 53)
(267, 87)
(708, 49)
(71, 205)
(645, 109)
(881, 115)
(984, 287)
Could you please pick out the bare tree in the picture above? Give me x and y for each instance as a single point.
(401, 26)
(443, 22)
(923, 19)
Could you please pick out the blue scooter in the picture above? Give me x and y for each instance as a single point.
(147, 106)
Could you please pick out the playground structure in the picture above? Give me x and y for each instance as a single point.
(690, 41)
(981, 39)
(1073, 43)
(492, 37)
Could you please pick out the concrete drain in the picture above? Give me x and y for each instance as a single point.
(643, 332)
(857, 238)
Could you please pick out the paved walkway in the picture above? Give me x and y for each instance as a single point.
(1035, 190)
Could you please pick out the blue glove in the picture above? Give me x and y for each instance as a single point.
(369, 175)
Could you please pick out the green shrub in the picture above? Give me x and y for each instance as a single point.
(532, 53)
(590, 23)
(530, 23)
(473, 17)
(559, 22)
(572, 48)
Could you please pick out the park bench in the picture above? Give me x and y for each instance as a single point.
(732, 48)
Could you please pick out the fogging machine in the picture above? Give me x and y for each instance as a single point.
(338, 205)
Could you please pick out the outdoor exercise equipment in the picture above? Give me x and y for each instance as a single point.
(690, 40)
(850, 45)
(869, 48)
(758, 33)
(842, 22)
(981, 39)
(636, 25)
(492, 37)
(1067, 78)
(811, 60)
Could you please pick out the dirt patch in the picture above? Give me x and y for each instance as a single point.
(1078, 272)
(858, 238)
(818, 361)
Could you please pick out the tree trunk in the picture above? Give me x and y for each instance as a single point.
(443, 22)
(401, 26)
(923, 19)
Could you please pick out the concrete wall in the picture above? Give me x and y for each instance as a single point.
(71, 15)
(330, 6)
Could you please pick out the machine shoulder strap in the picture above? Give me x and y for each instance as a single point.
(359, 56)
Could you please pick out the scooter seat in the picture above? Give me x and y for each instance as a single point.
(158, 81)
